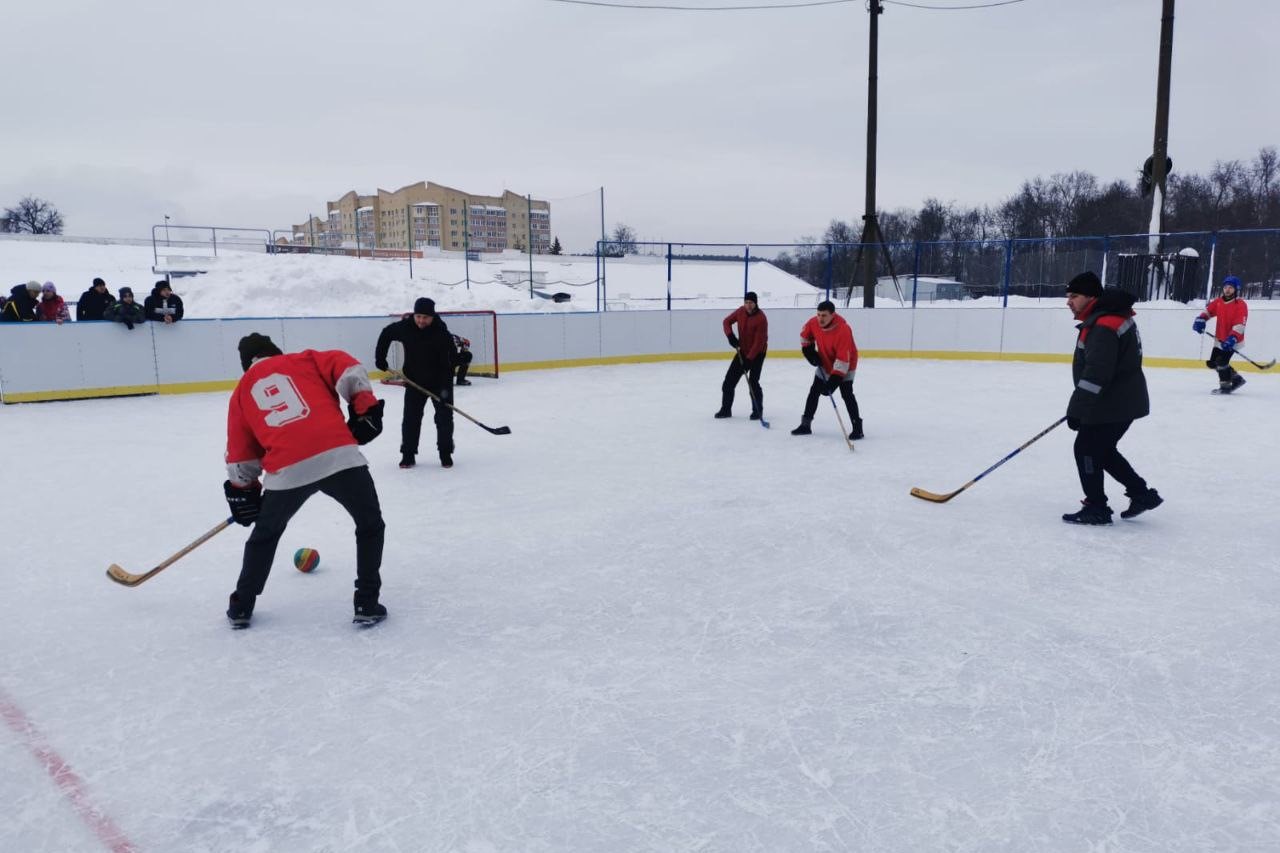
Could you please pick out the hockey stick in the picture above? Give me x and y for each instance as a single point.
(502, 430)
(747, 373)
(1270, 364)
(840, 418)
(120, 576)
(918, 492)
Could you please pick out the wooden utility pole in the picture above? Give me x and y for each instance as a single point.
(871, 238)
(1160, 152)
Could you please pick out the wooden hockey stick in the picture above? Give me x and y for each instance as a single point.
(843, 432)
(941, 499)
(502, 430)
(750, 393)
(124, 578)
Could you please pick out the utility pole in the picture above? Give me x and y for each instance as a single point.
(1160, 152)
(871, 238)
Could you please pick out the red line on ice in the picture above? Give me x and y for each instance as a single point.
(67, 780)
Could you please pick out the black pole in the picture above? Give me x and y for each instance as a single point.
(1160, 149)
(870, 228)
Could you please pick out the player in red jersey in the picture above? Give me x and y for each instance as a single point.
(1233, 314)
(827, 343)
(285, 424)
(748, 356)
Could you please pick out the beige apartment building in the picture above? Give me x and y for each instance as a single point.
(432, 215)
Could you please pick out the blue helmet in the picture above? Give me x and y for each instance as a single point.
(1233, 281)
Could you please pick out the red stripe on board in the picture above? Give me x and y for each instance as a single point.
(67, 780)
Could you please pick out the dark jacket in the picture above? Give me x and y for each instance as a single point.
(124, 312)
(20, 306)
(92, 305)
(1107, 367)
(157, 306)
(429, 354)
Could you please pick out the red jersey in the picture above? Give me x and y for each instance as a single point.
(1232, 317)
(836, 350)
(285, 418)
(753, 331)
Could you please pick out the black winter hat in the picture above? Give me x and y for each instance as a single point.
(254, 346)
(751, 297)
(1085, 284)
(97, 282)
(126, 291)
(423, 305)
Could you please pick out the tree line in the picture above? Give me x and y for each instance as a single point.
(1234, 194)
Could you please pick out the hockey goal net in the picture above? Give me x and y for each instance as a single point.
(479, 328)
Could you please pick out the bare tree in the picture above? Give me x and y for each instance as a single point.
(33, 216)
(623, 239)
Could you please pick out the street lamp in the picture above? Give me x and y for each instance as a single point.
(166, 229)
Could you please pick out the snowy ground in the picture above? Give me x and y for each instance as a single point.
(631, 627)
(249, 284)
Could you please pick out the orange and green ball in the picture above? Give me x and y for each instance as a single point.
(306, 559)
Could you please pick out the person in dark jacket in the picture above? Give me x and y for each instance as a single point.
(126, 310)
(163, 305)
(1110, 394)
(462, 356)
(428, 361)
(94, 302)
(749, 347)
(22, 302)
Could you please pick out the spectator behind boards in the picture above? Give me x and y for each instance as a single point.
(52, 307)
(94, 301)
(126, 310)
(21, 305)
(163, 305)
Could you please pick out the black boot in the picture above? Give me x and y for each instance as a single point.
(1089, 514)
(368, 612)
(407, 460)
(757, 405)
(1236, 381)
(803, 429)
(446, 459)
(240, 610)
(856, 432)
(726, 405)
(462, 375)
(1140, 502)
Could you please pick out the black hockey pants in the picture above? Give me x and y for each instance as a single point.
(846, 393)
(1219, 360)
(353, 489)
(411, 427)
(1096, 452)
(754, 389)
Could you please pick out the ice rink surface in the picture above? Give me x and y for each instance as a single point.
(630, 627)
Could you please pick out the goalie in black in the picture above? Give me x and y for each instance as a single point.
(462, 358)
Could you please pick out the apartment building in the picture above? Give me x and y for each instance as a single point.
(426, 215)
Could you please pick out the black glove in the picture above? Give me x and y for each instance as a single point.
(831, 385)
(245, 501)
(128, 325)
(733, 340)
(1073, 423)
(810, 354)
(381, 364)
(365, 428)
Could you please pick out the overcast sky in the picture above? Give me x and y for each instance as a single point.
(701, 126)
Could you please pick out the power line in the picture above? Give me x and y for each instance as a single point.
(799, 5)
(949, 8)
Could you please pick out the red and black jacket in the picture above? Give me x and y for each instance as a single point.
(1107, 367)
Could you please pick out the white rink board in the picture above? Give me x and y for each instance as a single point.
(101, 359)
